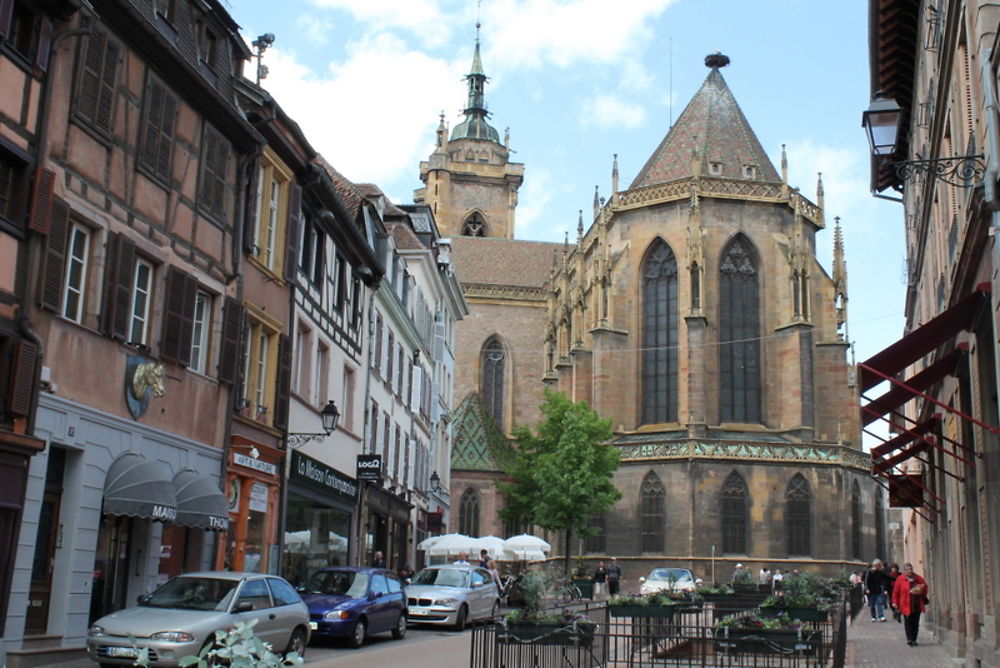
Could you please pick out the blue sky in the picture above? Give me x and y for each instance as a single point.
(579, 80)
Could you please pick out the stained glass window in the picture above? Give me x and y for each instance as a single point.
(659, 334)
(492, 379)
(739, 334)
(798, 513)
(855, 520)
(468, 513)
(653, 511)
(734, 515)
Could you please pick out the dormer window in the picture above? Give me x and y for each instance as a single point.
(166, 8)
(207, 45)
(749, 171)
(715, 168)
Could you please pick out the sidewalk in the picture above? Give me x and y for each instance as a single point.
(883, 645)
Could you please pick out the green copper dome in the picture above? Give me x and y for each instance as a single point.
(475, 126)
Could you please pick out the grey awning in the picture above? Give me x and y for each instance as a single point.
(199, 502)
(138, 487)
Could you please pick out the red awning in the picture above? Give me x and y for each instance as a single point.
(906, 437)
(923, 340)
(897, 395)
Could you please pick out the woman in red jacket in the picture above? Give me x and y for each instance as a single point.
(909, 597)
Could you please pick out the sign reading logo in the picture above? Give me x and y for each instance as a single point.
(370, 468)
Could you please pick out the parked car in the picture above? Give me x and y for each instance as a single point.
(354, 603)
(182, 616)
(667, 579)
(452, 595)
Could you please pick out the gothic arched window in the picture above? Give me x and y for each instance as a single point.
(855, 520)
(734, 515)
(659, 334)
(596, 542)
(474, 225)
(492, 383)
(739, 334)
(798, 513)
(468, 513)
(652, 513)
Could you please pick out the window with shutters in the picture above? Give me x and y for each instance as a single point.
(25, 34)
(273, 183)
(200, 330)
(77, 265)
(798, 514)
(739, 333)
(142, 296)
(492, 379)
(652, 513)
(155, 154)
(15, 183)
(659, 334)
(734, 514)
(94, 102)
(468, 513)
(260, 366)
(213, 186)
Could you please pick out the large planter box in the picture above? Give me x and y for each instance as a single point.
(801, 614)
(546, 633)
(586, 587)
(766, 641)
(661, 611)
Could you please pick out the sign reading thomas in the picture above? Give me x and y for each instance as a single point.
(370, 468)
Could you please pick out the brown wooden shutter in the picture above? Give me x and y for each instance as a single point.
(44, 44)
(6, 17)
(106, 82)
(178, 316)
(118, 286)
(90, 77)
(166, 135)
(41, 200)
(294, 232)
(284, 380)
(154, 117)
(377, 362)
(229, 351)
(51, 293)
(22, 378)
(253, 202)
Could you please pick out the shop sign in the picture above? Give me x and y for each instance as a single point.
(370, 468)
(258, 497)
(255, 464)
(316, 474)
(234, 495)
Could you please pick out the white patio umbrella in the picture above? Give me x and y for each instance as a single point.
(426, 543)
(453, 543)
(493, 545)
(527, 547)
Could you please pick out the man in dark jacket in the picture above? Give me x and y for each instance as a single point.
(876, 583)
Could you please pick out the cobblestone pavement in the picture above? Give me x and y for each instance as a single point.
(883, 645)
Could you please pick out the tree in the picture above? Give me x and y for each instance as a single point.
(562, 472)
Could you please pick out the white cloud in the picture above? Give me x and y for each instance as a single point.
(315, 29)
(611, 111)
(533, 198)
(372, 115)
(422, 17)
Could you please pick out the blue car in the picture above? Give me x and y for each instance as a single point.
(354, 603)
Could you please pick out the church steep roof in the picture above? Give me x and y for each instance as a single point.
(712, 130)
(496, 261)
(478, 443)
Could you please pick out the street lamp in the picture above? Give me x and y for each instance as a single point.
(329, 416)
(882, 121)
(436, 483)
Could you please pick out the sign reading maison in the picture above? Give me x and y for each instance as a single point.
(318, 475)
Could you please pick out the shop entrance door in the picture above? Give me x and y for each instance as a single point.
(36, 620)
(111, 565)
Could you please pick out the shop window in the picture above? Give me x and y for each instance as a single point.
(315, 536)
(158, 131)
(273, 210)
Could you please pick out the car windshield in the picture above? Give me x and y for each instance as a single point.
(667, 574)
(190, 593)
(337, 583)
(442, 577)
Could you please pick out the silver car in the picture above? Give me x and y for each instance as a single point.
(667, 579)
(181, 617)
(452, 595)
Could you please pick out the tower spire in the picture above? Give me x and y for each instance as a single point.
(475, 126)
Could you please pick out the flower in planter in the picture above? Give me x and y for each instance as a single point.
(779, 622)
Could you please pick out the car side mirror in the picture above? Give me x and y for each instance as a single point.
(374, 595)
(243, 606)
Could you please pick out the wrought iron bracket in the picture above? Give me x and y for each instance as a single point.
(961, 171)
(298, 440)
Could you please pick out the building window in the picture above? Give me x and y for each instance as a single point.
(347, 398)
(200, 328)
(142, 287)
(492, 381)
(734, 515)
(474, 225)
(749, 171)
(158, 133)
(260, 368)
(94, 102)
(715, 168)
(652, 513)
(468, 513)
(166, 8)
(7, 172)
(272, 211)
(798, 513)
(322, 374)
(879, 524)
(856, 521)
(214, 166)
(596, 542)
(27, 32)
(207, 45)
(659, 334)
(739, 334)
(77, 259)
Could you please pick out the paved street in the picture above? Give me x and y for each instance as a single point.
(421, 647)
(878, 645)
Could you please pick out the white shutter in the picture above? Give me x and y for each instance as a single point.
(416, 387)
(435, 403)
(438, 341)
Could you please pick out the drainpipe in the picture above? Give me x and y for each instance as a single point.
(992, 173)
(366, 431)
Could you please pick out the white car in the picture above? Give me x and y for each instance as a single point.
(667, 579)
(452, 596)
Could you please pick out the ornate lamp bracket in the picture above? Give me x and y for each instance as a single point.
(961, 171)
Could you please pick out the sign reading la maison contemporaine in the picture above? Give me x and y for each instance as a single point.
(318, 475)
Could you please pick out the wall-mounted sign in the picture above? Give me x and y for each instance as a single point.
(258, 497)
(370, 468)
(255, 464)
(308, 471)
(143, 381)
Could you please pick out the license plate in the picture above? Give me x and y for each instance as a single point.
(123, 652)
(313, 626)
(417, 613)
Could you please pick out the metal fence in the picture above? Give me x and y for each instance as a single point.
(687, 640)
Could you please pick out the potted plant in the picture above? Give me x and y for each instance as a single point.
(752, 633)
(537, 625)
(658, 604)
(582, 578)
(743, 580)
(805, 597)
(716, 591)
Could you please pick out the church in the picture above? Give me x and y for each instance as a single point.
(692, 311)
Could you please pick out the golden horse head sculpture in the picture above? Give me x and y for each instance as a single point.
(148, 376)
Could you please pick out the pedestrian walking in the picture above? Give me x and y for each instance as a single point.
(600, 582)
(484, 558)
(378, 561)
(909, 597)
(765, 576)
(463, 559)
(876, 583)
(776, 579)
(614, 577)
(857, 596)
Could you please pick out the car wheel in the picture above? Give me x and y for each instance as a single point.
(400, 631)
(297, 643)
(358, 637)
(461, 617)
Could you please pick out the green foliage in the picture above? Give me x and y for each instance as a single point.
(536, 587)
(805, 590)
(781, 621)
(718, 589)
(237, 647)
(744, 577)
(562, 472)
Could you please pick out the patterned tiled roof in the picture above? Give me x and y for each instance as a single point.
(349, 194)
(713, 125)
(477, 444)
(503, 261)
